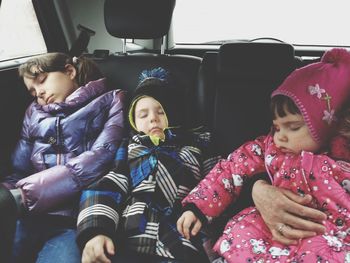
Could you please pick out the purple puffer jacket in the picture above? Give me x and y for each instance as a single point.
(66, 146)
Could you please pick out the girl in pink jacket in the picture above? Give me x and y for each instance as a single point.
(307, 109)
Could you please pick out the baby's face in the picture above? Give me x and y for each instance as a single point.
(292, 135)
(150, 117)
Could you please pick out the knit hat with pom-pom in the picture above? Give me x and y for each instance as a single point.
(320, 90)
(156, 83)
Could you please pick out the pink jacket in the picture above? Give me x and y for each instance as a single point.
(246, 237)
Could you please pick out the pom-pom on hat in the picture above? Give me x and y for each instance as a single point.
(320, 90)
(155, 83)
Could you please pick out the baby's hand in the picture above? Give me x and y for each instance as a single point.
(186, 221)
(96, 248)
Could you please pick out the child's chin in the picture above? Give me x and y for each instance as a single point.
(158, 134)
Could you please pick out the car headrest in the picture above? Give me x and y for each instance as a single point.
(137, 19)
(244, 60)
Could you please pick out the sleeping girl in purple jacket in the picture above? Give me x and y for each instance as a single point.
(69, 137)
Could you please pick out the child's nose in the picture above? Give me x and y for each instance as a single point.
(281, 136)
(40, 92)
(154, 117)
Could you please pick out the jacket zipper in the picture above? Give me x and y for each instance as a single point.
(58, 133)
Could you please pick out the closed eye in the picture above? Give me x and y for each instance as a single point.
(142, 114)
(41, 78)
(296, 126)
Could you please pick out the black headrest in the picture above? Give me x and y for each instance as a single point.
(145, 19)
(256, 60)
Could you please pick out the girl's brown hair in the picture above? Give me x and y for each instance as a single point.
(87, 69)
(281, 105)
(344, 121)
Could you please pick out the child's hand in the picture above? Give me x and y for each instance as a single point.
(95, 248)
(186, 221)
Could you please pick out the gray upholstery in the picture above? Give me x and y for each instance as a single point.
(138, 19)
(237, 83)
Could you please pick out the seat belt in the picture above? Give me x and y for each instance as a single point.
(81, 43)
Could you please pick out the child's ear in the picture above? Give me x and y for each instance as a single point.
(71, 71)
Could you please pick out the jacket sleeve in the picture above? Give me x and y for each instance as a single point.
(328, 181)
(223, 183)
(208, 159)
(56, 185)
(21, 162)
(101, 203)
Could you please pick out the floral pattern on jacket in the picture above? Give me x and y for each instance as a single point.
(246, 238)
(66, 146)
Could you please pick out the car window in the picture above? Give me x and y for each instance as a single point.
(19, 30)
(311, 22)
